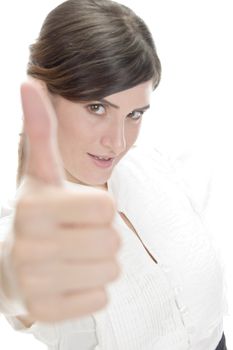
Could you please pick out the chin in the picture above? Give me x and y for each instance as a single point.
(90, 178)
(90, 181)
(96, 182)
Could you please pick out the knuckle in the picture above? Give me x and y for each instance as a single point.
(55, 247)
(106, 206)
(114, 270)
(114, 242)
(16, 253)
(28, 303)
(101, 298)
(36, 309)
(25, 204)
(31, 305)
(25, 251)
(52, 312)
(19, 252)
(25, 207)
(27, 283)
(43, 310)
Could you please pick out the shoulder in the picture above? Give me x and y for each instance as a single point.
(141, 159)
(137, 173)
(142, 165)
(149, 167)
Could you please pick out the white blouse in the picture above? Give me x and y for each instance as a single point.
(175, 304)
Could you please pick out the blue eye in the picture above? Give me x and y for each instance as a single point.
(97, 108)
(136, 115)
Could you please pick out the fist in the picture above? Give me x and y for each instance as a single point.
(62, 251)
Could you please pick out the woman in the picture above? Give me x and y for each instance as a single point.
(95, 65)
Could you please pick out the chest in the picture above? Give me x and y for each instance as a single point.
(133, 230)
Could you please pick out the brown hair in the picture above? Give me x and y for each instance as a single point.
(89, 49)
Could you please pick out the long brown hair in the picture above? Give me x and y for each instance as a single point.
(89, 49)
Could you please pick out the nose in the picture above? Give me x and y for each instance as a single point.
(114, 137)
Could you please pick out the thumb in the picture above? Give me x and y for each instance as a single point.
(43, 161)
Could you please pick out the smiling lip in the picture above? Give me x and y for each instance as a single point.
(101, 163)
(106, 157)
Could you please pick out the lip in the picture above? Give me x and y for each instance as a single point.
(101, 163)
(95, 155)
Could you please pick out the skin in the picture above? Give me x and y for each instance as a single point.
(100, 129)
(62, 249)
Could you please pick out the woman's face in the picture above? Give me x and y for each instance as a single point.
(100, 128)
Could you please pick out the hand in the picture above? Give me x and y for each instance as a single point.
(62, 250)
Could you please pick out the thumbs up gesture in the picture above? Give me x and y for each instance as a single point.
(61, 252)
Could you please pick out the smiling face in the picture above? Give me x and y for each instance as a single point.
(100, 128)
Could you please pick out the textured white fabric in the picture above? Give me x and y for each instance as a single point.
(176, 304)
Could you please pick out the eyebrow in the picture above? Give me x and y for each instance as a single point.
(115, 106)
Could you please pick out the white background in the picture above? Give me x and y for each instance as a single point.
(190, 116)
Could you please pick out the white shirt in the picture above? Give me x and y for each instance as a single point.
(176, 304)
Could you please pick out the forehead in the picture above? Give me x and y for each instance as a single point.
(136, 97)
(139, 94)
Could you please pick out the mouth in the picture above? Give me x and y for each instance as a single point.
(100, 157)
(101, 161)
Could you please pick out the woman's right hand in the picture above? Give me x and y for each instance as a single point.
(61, 253)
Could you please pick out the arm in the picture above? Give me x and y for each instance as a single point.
(40, 282)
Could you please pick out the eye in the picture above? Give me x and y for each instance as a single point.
(97, 108)
(136, 115)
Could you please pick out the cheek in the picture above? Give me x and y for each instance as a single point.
(71, 132)
(68, 141)
(132, 133)
(64, 135)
